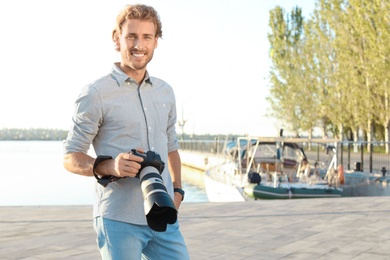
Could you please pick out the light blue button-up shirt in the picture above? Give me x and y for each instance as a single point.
(116, 115)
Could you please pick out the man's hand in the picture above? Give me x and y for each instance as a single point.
(124, 165)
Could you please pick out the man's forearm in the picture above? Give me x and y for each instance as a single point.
(174, 165)
(79, 163)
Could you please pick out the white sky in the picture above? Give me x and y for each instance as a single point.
(214, 53)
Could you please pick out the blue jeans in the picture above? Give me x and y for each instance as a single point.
(119, 240)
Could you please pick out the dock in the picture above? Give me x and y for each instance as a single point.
(341, 228)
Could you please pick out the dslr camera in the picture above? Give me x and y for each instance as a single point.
(159, 207)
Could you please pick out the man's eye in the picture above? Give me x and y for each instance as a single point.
(130, 37)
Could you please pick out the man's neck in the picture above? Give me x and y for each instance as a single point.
(137, 75)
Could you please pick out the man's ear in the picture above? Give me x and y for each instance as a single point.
(156, 42)
(115, 39)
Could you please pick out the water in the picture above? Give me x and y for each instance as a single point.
(194, 194)
(32, 174)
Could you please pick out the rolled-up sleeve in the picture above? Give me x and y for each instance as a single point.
(86, 121)
(173, 143)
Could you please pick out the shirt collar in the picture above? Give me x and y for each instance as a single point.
(120, 77)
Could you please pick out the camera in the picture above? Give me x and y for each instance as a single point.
(159, 207)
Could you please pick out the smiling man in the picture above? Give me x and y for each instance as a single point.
(122, 111)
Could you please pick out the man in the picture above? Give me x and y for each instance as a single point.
(125, 110)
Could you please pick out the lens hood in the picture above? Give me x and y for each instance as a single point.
(158, 204)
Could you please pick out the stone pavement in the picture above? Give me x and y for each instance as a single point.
(340, 228)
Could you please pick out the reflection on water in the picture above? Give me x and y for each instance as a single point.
(194, 193)
(193, 184)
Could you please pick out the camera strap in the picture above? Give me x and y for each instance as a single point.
(105, 180)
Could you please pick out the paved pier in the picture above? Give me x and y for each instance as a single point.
(340, 228)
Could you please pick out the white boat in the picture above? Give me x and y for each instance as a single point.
(271, 168)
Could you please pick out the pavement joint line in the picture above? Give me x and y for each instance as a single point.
(43, 221)
(288, 214)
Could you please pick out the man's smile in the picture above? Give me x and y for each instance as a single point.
(138, 55)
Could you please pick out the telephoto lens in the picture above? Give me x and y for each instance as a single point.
(159, 207)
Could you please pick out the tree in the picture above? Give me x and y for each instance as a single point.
(286, 71)
(333, 67)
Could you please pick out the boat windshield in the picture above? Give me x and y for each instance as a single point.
(270, 152)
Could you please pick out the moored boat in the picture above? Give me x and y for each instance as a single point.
(271, 168)
(287, 191)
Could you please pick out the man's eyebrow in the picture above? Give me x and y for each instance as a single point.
(145, 34)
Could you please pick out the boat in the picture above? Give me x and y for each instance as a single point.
(272, 168)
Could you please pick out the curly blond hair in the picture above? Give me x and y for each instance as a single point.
(139, 12)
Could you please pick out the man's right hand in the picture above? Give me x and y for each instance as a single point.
(124, 165)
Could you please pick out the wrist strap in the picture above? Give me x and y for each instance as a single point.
(105, 180)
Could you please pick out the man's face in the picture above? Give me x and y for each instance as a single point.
(137, 43)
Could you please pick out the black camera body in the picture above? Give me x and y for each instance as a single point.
(150, 159)
(159, 207)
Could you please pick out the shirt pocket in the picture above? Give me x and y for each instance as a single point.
(163, 109)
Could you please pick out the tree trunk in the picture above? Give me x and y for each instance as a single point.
(387, 136)
(341, 134)
(370, 131)
(310, 135)
(355, 139)
(323, 128)
(387, 124)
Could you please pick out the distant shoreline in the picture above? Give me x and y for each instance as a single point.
(32, 134)
(49, 134)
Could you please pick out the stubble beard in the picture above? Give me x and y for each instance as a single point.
(137, 65)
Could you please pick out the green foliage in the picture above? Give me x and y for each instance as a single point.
(332, 70)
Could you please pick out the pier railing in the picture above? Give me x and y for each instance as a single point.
(216, 147)
(359, 156)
